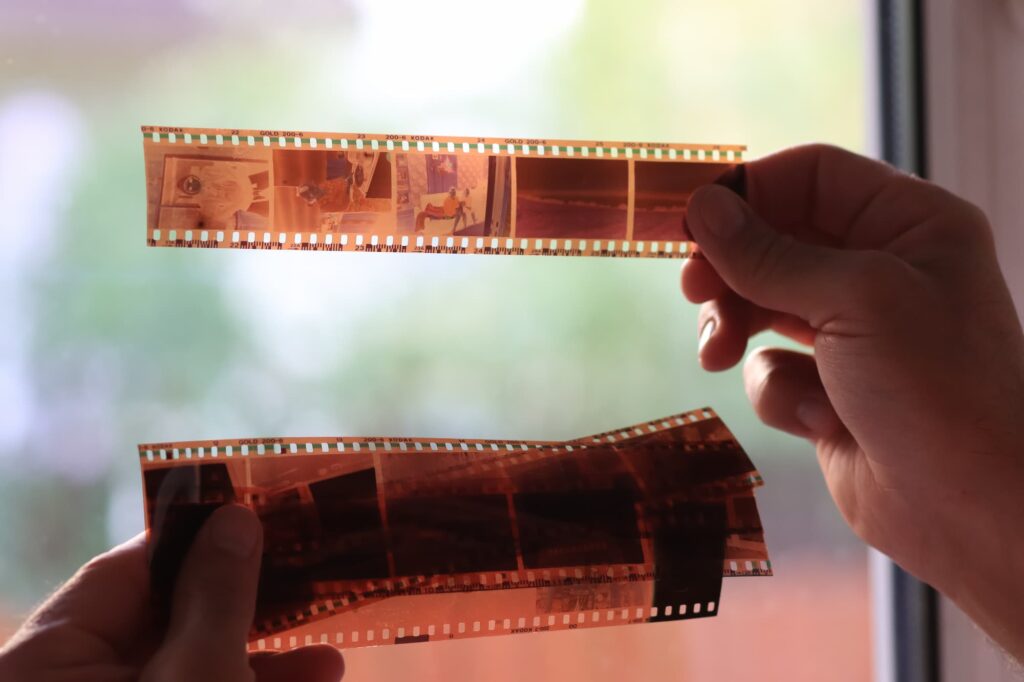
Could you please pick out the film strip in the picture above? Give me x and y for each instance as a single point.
(387, 540)
(281, 190)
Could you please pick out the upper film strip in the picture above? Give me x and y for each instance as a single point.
(372, 541)
(274, 189)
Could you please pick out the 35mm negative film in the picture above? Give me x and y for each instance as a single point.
(387, 540)
(275, 189)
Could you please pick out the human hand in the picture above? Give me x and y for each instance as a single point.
(914, 393)
(100, 625)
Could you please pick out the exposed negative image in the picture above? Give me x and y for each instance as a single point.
(571, 198)
(332, 191)
(209, 188)
(662, 192)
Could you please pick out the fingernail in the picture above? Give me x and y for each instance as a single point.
(235, 530)
(818, 417)
(722, 213)
(705, 333)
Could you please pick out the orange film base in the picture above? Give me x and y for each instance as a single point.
(267, 189)
(372, 541)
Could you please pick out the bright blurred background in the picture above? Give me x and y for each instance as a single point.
(107, 343)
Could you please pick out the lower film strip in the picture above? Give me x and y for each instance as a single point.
(552, 468)
(561, 538)
(260, 189)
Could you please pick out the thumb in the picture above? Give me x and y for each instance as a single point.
(214, 601)
(771, 269)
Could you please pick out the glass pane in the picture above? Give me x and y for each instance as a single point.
(109, 343)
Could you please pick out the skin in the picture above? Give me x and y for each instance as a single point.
(914, 390)
(99, 625)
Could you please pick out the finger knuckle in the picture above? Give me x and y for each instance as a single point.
(973, 224)
(951, 218)
(763, 370)
(825, 152)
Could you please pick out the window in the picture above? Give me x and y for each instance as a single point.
(110, 343)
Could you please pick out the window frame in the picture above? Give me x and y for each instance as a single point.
(904, 610)
(948, 108)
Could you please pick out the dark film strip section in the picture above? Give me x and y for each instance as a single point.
(367, 546)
